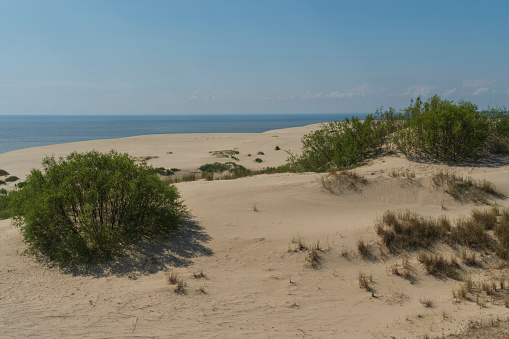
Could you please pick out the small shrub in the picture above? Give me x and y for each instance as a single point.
(3, 191)
(471, 233)
(2, 182)
(175, 170)
(260, 153)
(199, 275)
(180, 288)
(277, 148)
(3, 173)
(312, 257)
(258, 160)
(12, 178)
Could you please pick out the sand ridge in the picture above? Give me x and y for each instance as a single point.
(240, 236)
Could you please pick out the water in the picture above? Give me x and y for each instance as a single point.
(18, 132)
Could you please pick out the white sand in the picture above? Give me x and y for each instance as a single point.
(254, 286)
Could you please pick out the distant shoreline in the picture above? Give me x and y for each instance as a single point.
(25, 131)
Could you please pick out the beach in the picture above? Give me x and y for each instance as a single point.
(244, 253)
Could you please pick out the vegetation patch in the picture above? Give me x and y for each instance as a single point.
(93, 206)
(407, 230)
(436, 265)
(12, 178)
(340, 182)
(461, 188)
(3, 173)
(228, 153)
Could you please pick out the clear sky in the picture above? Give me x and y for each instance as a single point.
(190, 57)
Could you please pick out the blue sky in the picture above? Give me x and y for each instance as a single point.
(210, 57)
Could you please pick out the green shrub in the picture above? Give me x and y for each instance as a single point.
(12, 178)
(2, 182)
(163, 171)
(3, 173)
(443, 130)
(5, 209)
(345, 144)
(92, 206)
(258, 160)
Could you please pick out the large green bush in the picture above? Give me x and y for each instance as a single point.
(443, 130)
(92, 206)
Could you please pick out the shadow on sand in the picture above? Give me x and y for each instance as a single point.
(178, 250)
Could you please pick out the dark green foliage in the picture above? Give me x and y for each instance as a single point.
(3, 173)
(217, 167)
(443, 130)
(12, 178)
(92, 206)
(5, 209)
(227, 153)
(277, 148)
(258, 160)
(20, 184)
(2, 182)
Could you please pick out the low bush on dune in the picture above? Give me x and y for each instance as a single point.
(3, 173)
(93, 206)
(433, 130)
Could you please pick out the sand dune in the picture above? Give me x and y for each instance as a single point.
(256, 283)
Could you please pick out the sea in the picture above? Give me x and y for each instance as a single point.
(24, 131)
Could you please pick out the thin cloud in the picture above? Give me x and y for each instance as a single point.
(481, 90)
(355, 91)
(449, 92)
(68, 84)
(419, 90)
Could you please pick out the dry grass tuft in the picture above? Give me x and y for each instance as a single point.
(427, 302)
(363, 249)
(461, 188)
(340, 182)
(436, 265)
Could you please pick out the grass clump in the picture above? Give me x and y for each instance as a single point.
(93, 206)
(407, 230)
(437, 265)
(339, 182)
(363, 249)
(163, 171)
(466, 188)
(12, 178)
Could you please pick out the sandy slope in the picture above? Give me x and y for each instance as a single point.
(240, 235)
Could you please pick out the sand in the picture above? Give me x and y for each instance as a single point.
(240, 236)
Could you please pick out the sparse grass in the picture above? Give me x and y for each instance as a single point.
(406, 174)
(339, 182)
(228, 153)
(365, 281)
(468, 259)
(207, 176)
(180, 288)
(461, 188)
(313, 258)
(189, 177)
(200, 274)
(299, 243)
(471, 233)
(438, 266)
(201, 289)
(363, 249)
(172, 277)
(427, 302)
